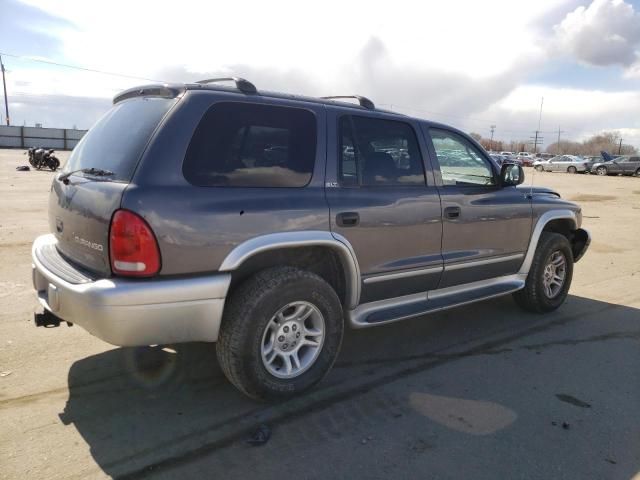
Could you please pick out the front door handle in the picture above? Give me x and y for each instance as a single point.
(348, 219)
(452, 212)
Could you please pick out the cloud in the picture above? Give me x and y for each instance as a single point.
(607, 32)
(28, 30)
(374, 73)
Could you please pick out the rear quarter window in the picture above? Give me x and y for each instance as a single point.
(252, 145)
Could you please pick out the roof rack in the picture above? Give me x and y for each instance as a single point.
(245, 86)
(363, 101)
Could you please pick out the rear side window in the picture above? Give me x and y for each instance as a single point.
(117, 140)
(377, 152)
(250, 145)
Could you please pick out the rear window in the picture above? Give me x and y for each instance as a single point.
(250, 145)
(117, 140)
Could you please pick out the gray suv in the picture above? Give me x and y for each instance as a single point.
(268, 223)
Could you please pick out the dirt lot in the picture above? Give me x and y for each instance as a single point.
(483, 391)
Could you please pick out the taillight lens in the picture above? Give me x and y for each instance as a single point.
(133, 249)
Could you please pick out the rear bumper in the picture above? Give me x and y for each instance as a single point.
(135, 312)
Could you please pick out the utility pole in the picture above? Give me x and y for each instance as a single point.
(535, 143)
(493, 127)
(536, 140)
(558, 144)
(620, 147)
(6, 102)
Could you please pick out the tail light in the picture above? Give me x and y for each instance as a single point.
(133, 248)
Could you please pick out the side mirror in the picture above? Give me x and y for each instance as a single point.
(511, 175)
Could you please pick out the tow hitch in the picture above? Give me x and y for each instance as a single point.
(47, 319)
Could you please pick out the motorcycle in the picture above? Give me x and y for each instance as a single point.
(41, 158)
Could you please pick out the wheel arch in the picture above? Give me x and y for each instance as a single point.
(329, 255)
(562, 221)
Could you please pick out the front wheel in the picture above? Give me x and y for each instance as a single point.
(550, 275)
(54, 163)
(281, 333)
(602, 171)
(572, 170)
(638, 172)
(539, 168)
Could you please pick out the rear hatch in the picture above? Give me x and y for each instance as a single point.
(80, 209)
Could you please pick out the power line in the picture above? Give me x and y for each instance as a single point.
(84, 69)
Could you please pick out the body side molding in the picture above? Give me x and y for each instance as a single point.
(537, 231)
(309, 238)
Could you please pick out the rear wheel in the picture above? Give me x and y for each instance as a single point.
(638, 172)
(550, 275)
(572, 169)
(601, 171)
(280, 334)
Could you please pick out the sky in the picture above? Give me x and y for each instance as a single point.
(469, 64)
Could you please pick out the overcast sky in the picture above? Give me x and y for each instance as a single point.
(470, 64)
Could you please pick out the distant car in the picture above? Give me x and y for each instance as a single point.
(561, 163)
(526, 158)
(622, 165)
(590, 161)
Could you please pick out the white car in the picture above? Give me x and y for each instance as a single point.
(561, 163)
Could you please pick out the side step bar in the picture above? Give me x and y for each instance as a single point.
(395, 309)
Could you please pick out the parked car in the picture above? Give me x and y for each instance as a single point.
(622, 165)
(269, 222)
(526, 158)
(589, 161)
(561, 163)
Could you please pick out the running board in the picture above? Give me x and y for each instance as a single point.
(400, 308)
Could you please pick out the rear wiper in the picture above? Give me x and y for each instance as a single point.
(99, 172)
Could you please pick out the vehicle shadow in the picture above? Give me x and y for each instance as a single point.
(134, 406)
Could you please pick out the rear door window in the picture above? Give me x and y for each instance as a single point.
(252, 145)
(378, 152)
(117, 140)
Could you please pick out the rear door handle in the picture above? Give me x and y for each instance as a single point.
(452, 212)
(348, 219)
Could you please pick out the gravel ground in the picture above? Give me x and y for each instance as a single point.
(483, 391)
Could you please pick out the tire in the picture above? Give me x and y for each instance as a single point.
(539, 168)
(534, 296)
(602, 171)
(54, 163)
(572, 170)
(249, 320)
(638, 172)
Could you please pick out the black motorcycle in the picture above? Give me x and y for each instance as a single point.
(40, 158)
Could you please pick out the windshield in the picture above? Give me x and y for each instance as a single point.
(117, 140)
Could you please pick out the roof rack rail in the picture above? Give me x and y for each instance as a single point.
(363, 101)
(243, 85)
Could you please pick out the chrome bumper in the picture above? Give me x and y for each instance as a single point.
(135, 312)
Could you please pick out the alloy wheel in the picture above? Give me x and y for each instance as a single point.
(554, 274)
(292, 340)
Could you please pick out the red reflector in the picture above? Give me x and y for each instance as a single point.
(133, 249)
